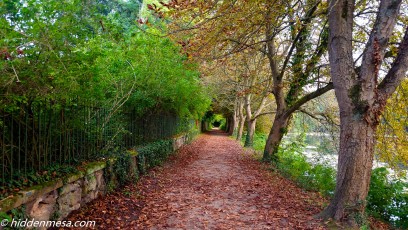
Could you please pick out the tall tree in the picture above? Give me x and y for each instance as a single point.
(290, 33)
(241, 117)
(257, 83)
(362, 94)
(299, 66)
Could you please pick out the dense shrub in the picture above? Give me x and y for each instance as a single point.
(258, 142)
(119, 170)
(154, 153)
(387, 199)
(83, 72)
(122, 167)
(293, 164)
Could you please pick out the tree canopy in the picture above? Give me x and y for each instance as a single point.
(64, 49)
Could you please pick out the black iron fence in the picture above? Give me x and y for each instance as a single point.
(41, 134)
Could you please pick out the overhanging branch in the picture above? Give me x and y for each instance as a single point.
(309, 97)
(262, 114)
(324, 117)
(397, 72)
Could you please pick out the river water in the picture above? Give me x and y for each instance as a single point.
(314, 155)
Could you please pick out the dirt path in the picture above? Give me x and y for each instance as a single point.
(210, 184)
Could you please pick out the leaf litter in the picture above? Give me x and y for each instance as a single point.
(212, 183)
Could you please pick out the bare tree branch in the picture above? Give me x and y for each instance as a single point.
(397, 72)
(309, 97)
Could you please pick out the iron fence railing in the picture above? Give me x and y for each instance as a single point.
(41, 134)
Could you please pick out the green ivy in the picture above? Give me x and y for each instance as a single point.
(5, 216)
(119, 170)
(122, 167)
(21, 180)
(16, 214)
(154, 154)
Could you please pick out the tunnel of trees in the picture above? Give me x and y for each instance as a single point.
(96, 76)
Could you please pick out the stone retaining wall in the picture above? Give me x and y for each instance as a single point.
(54, 200)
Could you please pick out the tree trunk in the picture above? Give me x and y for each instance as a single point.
(203, 129)
(278, 130)
(361, 100)
(241, 125)
(234, 125)
(287, 103)
(357, 138)
(241, 120)
(231, 125)
(249, 139)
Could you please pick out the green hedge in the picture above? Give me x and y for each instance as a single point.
(153, 154)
